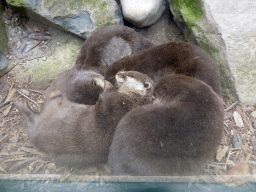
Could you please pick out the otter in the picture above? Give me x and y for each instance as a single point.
(98, 52)
(139, 86)
(177, 57)
(77, 133)
(176, 135)
(81, 87)
(108, 45)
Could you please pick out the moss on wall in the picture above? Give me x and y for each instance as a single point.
(190, 11)
(18, 3)
(3, 35)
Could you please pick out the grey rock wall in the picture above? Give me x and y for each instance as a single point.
(195, 20)
(3, 43)
(78, 17)
(236, 21)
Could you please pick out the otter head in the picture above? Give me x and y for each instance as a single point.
(85, 87)
(134, 83)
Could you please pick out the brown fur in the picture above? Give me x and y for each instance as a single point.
(175, 136)
(107, 45)
(78, 133)
(79, 86)
(174, 57)
(98, 52)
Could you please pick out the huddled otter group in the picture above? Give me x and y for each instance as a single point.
(98, 52)
(66, 128)
(162, 114)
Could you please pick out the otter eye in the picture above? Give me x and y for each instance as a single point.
(147, 85)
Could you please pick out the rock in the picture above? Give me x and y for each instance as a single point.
(3, 44)
(254, 124)
(235, 26)
(51, 166)
(236, 20)
(78, 17)
(163, 30)
(237, 141)
(142, 13)
(238, 119)
(3, 64)
(253, 114)
(230, 164)
(195, 20)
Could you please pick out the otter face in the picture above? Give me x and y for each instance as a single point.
(134, 82)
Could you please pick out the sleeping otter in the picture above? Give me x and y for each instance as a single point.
(176, 135)
(108, 45)
(98, 52)
(79, 86)
(78, 133)
(174, 57)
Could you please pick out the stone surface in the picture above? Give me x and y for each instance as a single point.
(40, 62)
(3, 44)
(198, 26)
(78, 17)
(237, 23)
(163, 30)
(253, 114)
(143, 12)
(237, 141)
(3, 64)
(3, 36)
(227, 30)
(238, 119)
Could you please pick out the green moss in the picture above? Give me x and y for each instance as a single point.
(189, 10)
(3, 35)
(63, 58)
(18, 3)
(228, 90)
(42, 72)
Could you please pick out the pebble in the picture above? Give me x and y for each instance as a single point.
(238, 120)
(3, 63)
(231, 164)
(253, 114)
(51, 166)
(237, 141)
(254, 124)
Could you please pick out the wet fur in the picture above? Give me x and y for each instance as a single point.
(176, 136)
(174, 57)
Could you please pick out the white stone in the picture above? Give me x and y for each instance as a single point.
(253, 114)
(237, 23)
(238, 119)
(142, 13)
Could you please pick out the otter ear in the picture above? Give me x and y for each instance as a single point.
(98, 82)
(147, 85)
